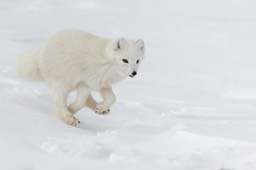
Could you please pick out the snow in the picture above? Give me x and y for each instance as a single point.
(192, 105)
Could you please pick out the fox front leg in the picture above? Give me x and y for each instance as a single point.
(82, 94)
(109, 99)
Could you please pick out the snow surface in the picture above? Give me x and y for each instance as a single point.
(191, 107)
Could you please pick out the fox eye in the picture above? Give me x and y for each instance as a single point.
(125, 61)
(137, 62)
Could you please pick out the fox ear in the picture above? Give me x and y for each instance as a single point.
(119, 43)
(140, 44)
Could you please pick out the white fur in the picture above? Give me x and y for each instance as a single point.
(76, 60)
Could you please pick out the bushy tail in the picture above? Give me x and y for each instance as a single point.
(28, 67)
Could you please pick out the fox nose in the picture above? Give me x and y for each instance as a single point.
(134, 73)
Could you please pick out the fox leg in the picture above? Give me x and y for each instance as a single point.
(91, 103)
(83, 93)
(60, 96)
(109, 98)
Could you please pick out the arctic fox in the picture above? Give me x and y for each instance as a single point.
(76, 60)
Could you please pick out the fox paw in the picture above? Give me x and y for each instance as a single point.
(72, 121)
(101, 109)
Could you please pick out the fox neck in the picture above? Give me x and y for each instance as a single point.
(104, 75)
(111, 74)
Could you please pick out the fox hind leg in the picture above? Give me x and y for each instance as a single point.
(60, 97)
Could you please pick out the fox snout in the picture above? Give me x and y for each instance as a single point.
(134, 73)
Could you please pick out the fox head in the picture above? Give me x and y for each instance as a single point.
(127, 55)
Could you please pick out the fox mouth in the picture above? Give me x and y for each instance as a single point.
(131, 76)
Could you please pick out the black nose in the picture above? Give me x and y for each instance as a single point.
(134, 73)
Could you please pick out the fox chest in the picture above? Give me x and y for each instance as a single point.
(99, 79)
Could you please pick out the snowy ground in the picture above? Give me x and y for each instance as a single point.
(191, 107)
